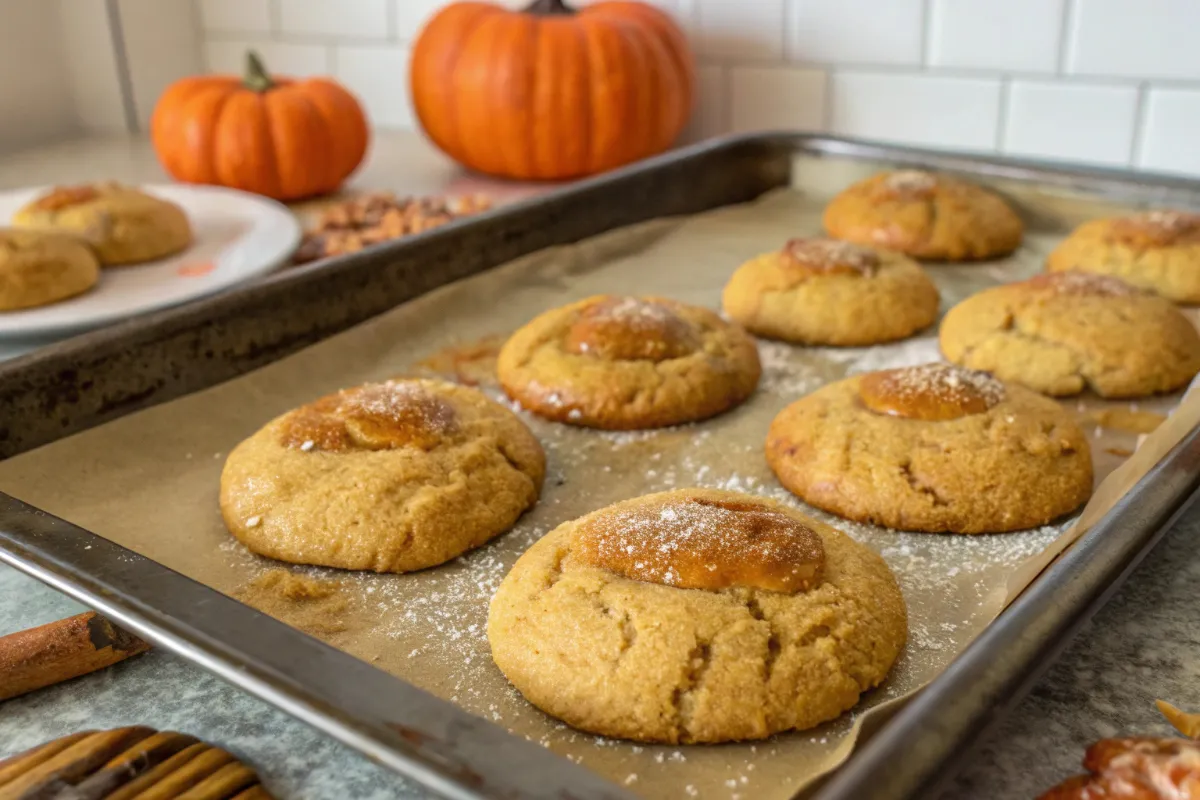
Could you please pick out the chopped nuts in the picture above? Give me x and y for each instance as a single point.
(373, 218)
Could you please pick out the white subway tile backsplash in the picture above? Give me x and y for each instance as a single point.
(1135, 38)
(1169, 140)
(1047, 78)
(242, 16)
(379, 77)
(361, 19)
(1071, 122)
(777, 98)
(294, 60)
(710, 116)
(957, 113)
(856, 31)
(1019, 35)
(411, 16)
(745, 30)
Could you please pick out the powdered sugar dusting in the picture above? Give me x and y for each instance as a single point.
(1074, 282)
(944, 382)
(832, 255)
(911, 180)
(1172, 221)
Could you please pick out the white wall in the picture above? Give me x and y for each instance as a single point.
(36, 103)
(1113, 82)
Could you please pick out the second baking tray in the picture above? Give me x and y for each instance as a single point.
(809, 150)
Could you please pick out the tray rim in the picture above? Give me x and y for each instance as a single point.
(26, 542)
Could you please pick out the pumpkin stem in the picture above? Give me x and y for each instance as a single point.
(548, 7)
(257, 78)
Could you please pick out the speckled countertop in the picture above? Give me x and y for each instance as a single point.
(1145, 644)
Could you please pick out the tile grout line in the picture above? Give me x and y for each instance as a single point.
(121, 57)
(1140, 111)
(1002, 114)
(926, 37)
(1066, 20)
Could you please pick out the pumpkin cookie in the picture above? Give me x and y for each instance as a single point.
(124, 225)
(390, 477)
(927, 216)
(932, 448)
(822, 291)
(1157, 250)
(629, 362)
(696, 616)
(39, 267)
(1062, 332)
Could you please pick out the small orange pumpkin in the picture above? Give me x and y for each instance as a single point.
(283, 138)
(551, 92)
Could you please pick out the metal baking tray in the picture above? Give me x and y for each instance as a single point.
(83, 382)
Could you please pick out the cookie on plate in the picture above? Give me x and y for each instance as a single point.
(926, 216)
(38, 268)
(1156, 250)
(123, 225)
(932, 448)
(391, 477)
(625, 363)
(824, 291)
(696, 616)
(1062, 332)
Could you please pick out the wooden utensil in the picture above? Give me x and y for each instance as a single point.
(126, 763)
(62, 650)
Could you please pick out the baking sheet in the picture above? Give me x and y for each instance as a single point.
(149, 481)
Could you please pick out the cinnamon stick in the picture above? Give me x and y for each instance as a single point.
(62, 650)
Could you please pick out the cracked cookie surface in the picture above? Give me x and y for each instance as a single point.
(390, 477)
(926, 216)
(1015, 460)
(122, 224)
(650, 661)
(1063, 332)
(625, 363)
(1156, 250)
(828, 292)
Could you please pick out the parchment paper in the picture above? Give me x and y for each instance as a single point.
(149, 481)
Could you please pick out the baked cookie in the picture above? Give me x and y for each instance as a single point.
(927, 216)
(623, 363)
(696, 616)
(391, 477)
(1062, 332)
(39, 267)
(1157, 250)
(123, 225)
(823, 291)
(932, 448)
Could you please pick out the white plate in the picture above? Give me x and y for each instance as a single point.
(238, 236)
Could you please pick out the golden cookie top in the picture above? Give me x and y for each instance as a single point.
(931, 392)
(925, 215)
(1156, 229)
(631, 329)
(1079, 284)
(375, 416)
(702, 540)
(820, 256)
(64, 197)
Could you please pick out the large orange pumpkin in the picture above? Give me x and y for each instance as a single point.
(283, 138)
(551, 92)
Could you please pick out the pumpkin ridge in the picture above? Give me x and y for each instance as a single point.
(456, 147)
(214, 138)
(328, 182)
